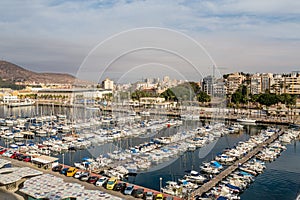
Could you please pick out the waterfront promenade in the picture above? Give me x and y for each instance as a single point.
(213, 182)
(230, 115)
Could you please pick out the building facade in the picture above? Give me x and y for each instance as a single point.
(233, 82)
(292, 83)
(108, 84)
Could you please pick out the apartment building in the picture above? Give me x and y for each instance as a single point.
(233, 82)
(292, 83)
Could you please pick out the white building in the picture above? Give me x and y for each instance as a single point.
(255, 84)
(74, 93)
(108, 84)
(9, 99)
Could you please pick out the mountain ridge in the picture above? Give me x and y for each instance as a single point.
(15, 73)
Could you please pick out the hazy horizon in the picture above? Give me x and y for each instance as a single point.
(244, 36)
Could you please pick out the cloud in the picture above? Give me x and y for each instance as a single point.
(57, 35)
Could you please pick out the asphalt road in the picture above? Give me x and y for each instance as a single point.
(4, 195)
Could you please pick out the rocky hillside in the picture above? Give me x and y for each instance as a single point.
(14, 73)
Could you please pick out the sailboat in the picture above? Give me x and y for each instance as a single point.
(246, 120)
(26, 102)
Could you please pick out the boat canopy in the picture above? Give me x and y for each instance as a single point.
(216, 164)
(194, 173)
(232, 187)
(85, 159)
(222, 198)
(245, 173)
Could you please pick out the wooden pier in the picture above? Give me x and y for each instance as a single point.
(213, 182)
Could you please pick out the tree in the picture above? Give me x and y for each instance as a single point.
(186, 92)
(203, 97)
(225, 76)
(288, 100)
(136, 95)
(268, 99)
(237, 97)
(169, 95)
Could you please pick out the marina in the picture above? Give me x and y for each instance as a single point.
(255, 116)
(126, 155)
(152, 100)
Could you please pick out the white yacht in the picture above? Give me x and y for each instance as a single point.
(246, 120)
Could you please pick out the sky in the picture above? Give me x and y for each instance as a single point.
(187, 38)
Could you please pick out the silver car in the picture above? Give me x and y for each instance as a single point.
(128, 190)
(148, 196)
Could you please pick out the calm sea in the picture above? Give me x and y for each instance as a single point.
(281, 179)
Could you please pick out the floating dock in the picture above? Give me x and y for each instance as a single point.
(213, 182)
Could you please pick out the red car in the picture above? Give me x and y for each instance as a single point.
(92, 179)
(14, 156)
(2, 150)
(27, 159)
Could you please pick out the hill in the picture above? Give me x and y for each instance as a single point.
(13, 73)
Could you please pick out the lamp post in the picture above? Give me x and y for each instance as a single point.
(63, 155)
(160, 183)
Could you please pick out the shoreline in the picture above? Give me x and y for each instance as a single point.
(204, 113)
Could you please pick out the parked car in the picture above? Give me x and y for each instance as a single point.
(102, 181)
(128, 190)
(93, 179)
(148, 196)
(85, 176)
(159, 197)
(78, 174)
(71, 171)
(111, 183)
(2, 150)
(64, 171)
(168, 198)
(57, 168)
(120, 187)
(14, 156)
(20, 157)
(8, 153)
(138, 193)
(27, 158)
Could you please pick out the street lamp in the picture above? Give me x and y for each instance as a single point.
(160, 183)
(63, 155)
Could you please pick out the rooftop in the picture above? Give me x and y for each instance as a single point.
(45, 159)
(53, 188)
(4, 162)
(14, 174)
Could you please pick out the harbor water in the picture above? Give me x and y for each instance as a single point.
(281, 179)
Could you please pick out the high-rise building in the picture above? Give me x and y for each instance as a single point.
(207, 85)
(266, 82)
(277, 84)
(219, 88)
(108, 84)
(255, 84)
(233, 82)
(292, 83)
